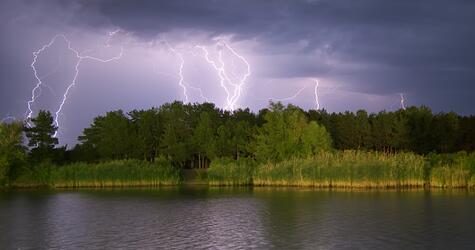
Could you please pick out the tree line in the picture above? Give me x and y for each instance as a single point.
(192, 135)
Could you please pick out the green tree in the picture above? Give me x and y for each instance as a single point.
(110, 135)
(175, 139)
(420, 123)
(203, 140)
(315, 139)
(466, 135)
(363, 130)
(446, 130)
(12, 153)
(146, 124)
(287, 133)
(41, 137)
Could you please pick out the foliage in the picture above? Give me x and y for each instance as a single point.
(12, 153)
(277, 145)
(287, 133)
(41, 137)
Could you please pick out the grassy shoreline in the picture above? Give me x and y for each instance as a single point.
(341, 169)
(352, 169)
(128, 173)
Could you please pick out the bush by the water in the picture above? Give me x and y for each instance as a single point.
(107, 174)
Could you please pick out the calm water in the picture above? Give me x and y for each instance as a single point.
(197, 218)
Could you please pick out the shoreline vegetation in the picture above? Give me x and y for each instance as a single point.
(352, 169)
(340, 169)
(126, 173)
(278, 146)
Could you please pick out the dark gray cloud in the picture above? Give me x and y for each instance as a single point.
(423, 42)
(369, 47)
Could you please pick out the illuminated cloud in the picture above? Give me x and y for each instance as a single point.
(364, 54)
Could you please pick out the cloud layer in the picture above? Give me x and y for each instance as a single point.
(365, 51)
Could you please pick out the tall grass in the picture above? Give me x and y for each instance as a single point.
(452, 170)
(108, 174)
(341, 169)
(351, 169)
(229, 172)
(345, 169)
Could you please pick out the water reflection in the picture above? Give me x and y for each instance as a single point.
(261, 218)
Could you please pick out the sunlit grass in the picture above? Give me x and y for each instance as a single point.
(345, 169)
(341, 169)
(108, 174)
(351, 169)
(453, 171)
(230, 173)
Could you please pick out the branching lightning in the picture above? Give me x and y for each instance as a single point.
(79, 57)
(233, 86)
(242, 81)
(221, 73)
(29, 112)
(220, 67)
(200, 91)
(186, 84)
(181, 80)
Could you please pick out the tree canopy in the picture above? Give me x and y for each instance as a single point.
(193, 135)
(41, 137)
(12, 152)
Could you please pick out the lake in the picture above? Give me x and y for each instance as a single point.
(231, 218)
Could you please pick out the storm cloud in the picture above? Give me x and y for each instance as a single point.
(364, 52)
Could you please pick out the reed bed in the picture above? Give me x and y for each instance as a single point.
(341, 169)
(227, 172)
(452, 170)
(352, 169)
(126, 173)
(346, 169)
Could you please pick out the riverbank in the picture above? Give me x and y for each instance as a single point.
(342, 169)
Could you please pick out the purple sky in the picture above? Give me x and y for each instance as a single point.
(364, 54)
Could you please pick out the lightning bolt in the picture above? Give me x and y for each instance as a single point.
(221, 73)
(292, 97)
(181, 80)
(80, 58)
(29, 112)
(403, 105)
(200, 91)
(242, 81)
(317, 101)
(225, 80)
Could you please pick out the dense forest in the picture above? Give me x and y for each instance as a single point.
(192, 135)
(195, 135)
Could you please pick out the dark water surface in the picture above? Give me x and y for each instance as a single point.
(262, 218)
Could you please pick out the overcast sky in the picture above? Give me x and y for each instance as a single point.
(364, 53)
